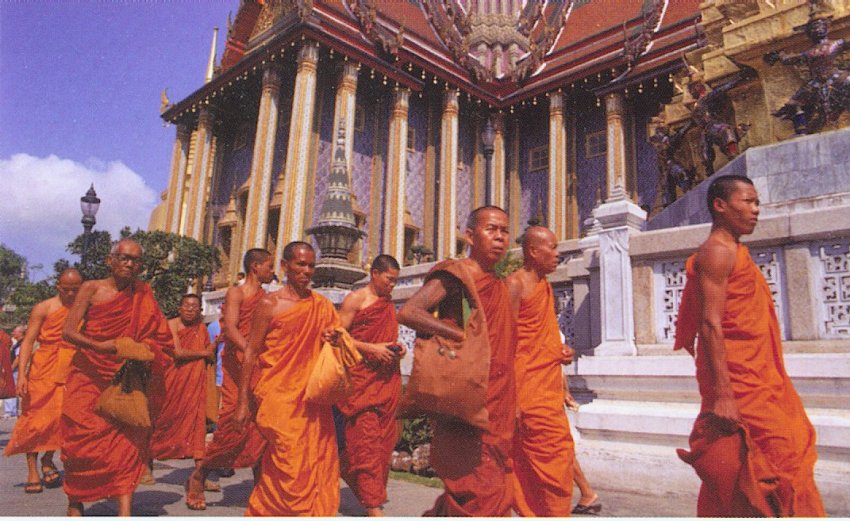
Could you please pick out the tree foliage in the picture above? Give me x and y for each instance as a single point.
(92, 251)
(12, 272)
(16, 291)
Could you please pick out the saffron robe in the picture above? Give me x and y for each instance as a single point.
(231, 448)
(103, 458)
(770, 408)
(369, 428)
(543, 451)
(300, 467)
(180, 429)
(474, 464)
(37, 430)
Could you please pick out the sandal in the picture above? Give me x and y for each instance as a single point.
(51, 477)
(194, 500)
(212, 486)
(33, 488)
(591, 509)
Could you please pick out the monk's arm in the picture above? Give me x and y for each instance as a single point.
(70, 331)
(179, 352)
(259, 327)
(416, 315)
(347, 311)
(714, 264)
(37, 316)
(230, 321)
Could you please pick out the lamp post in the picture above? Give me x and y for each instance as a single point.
(488, 137)
(89, 204)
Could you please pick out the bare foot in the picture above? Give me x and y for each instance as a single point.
(75, 509)
(195, 499)
(375, 512)
(587, 501)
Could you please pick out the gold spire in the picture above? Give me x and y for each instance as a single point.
(211, 63)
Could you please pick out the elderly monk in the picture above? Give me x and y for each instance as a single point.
(369, 426)
(752, 444)
(300, 468)
(232, 448)
(474, 464)
(111, 321)
(41, 387)
(543, 451)
(180, 429)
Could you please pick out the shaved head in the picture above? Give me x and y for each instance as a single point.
(535, 236)
(70, 276)
(116, 246)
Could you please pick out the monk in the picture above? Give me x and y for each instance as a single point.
(231, 448)
(180, 429)
(474, 464)
(752, 444)
(42, 386)
(369, 425)
(112, 320)
(543, 450)
(300, 468)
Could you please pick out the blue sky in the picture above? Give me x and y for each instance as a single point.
(80, 85)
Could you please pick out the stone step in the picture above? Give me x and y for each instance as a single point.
(788, 347)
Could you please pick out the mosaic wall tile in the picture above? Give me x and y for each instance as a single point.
(417, 121)
(646, 166)
(534, 186)
(325, 105)
(466, 155)
(590, 171)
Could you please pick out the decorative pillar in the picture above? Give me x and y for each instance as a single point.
(177, 179)
(497, 184)
(616, 159)
(557, 167)
(395, 188)
(346, 93)
(200, 175)
(291, 227)
(256, 215)
(447, 215)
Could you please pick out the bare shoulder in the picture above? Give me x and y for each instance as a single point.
(354, 301)
(715, 257)
(46, 307)
(234, 293)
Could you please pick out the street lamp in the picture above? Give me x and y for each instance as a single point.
(488, 137)
(89, 204)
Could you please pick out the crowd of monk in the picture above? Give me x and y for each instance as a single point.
(752, 444)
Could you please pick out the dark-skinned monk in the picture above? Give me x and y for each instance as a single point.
(179, 431)
(41, 383)
(111, 321)
(300, 468)
(474, 464)
(752, 444)
(232, 448)
(369, 426)
(543, 450)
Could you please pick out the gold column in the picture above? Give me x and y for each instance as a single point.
(261, 163)
(346, 93)
(200, 176)
(396, 172)
(616, 159)
(177, 179)
(291, 227)
(447, 221)
(515, 185)
(557, 167)
(497, 183)
(572, 180)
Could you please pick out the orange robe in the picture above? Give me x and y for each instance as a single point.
(103, 458)
(180, 429)
(543, 450)
(370, 426)
(37, 430)
(473, 464)
(7, 380)
(300, 468)
(770, 408)
(231, 448)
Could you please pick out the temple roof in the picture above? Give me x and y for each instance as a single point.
(500, 51)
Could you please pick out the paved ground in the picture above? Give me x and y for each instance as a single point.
(166, 497)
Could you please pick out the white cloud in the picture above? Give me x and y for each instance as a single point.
(40, 203)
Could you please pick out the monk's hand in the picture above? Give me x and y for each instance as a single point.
(129, 349)
(332, 336)
(211, 349)
(726, 414)
(21, 388)
(382, 352)
(567, 354)
(240, 418)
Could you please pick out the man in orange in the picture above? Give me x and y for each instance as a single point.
(232, 448)
(41, 388)
(300, 468)
(474, 464)
(369, 427)
(112, 320)
(180, 429)
(543, 451)
(752, 444)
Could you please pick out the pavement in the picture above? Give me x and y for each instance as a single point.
(166, 497)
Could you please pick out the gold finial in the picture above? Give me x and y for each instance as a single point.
(211, 62)
(164, 102)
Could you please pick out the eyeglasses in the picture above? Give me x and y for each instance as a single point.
(126, 259)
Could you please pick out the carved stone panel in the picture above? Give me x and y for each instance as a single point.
(565, 311)
(669, 283)
(832, 280)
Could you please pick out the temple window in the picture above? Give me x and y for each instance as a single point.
(538, 158)
(359, 118)
(595, 144)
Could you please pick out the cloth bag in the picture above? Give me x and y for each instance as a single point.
(125, 400)
(329, 381)
(449, 379)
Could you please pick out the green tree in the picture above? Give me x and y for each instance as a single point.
(12, 271)
(92, 251)
(26, 296)
(16, 291)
